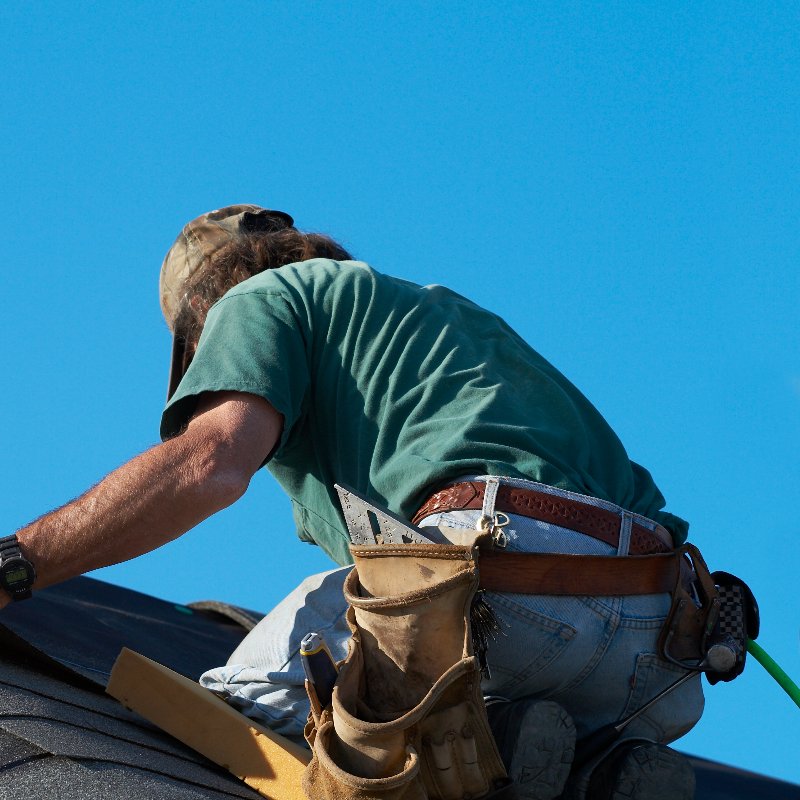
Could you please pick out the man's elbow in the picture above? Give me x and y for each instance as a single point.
(228, 485)
(229, 439)
(220, 474)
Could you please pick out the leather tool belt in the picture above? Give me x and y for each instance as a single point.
(562, 574)
(652, 567)
(407, 719)
(711, 615)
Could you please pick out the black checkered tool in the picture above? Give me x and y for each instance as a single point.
(738, 621)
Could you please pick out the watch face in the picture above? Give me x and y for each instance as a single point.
(16, 575)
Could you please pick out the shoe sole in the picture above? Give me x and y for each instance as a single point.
(653, 772)
(543, 753)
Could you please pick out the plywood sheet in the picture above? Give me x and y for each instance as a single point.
(269, 763)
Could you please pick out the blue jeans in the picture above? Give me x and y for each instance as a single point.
(596, 656)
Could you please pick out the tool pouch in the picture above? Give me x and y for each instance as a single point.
(694, 612)
(711, 618)
(407, 720)
(738, 621)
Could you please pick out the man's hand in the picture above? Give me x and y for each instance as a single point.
(158, 495)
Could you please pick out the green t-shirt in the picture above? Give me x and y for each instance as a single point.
(394, 389)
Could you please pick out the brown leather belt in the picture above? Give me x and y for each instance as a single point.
(581, 517)
(562, 574)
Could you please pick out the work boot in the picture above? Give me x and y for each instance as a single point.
(536, 739)
(642, 771)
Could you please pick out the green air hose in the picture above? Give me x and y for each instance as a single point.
(769, 664)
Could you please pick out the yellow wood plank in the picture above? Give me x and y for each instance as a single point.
(268, 762)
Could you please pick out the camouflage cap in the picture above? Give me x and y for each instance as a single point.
(200, 238)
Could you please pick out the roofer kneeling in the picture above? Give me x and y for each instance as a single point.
(560, 596)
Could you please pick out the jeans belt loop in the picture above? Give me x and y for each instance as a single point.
(625, 528)
(492, 520)
(489, 498)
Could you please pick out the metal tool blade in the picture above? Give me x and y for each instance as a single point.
(371, 524)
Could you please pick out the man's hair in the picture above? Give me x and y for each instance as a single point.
(241, 258)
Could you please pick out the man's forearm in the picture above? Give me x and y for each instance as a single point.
(158, 495)
(147, 502)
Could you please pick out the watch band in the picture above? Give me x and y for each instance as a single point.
(9, 545)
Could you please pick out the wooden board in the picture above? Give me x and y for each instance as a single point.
(266, 761)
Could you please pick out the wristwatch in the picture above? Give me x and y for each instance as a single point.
(16, 572)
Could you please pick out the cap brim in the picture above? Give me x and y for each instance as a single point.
(176, 364)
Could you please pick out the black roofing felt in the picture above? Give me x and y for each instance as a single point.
(62, 737)
(84, 623)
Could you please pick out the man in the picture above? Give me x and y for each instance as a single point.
(289, 353)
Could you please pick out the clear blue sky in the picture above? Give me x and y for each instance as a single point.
(619, 181)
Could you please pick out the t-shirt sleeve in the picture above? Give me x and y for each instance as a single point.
(252, 342)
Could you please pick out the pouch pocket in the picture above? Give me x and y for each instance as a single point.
(324, 780)
(451, 742)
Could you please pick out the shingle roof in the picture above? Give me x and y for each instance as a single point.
(61, 736)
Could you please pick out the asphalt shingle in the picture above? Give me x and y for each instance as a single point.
(62, 737)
